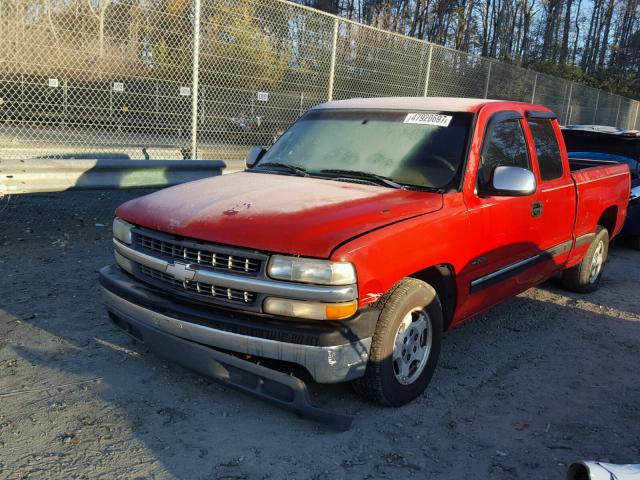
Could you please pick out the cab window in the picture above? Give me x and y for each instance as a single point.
(505, 145)
(547, 149)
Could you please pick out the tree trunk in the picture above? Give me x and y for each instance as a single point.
(605, 37)
(485, 29)
(524, 49)
(467, 31)
(414, 20)
(586, 53)
(574, 53)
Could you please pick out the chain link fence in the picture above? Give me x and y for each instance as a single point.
(137, 79)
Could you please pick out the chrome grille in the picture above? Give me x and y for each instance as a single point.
(199, 289)
(207, 256)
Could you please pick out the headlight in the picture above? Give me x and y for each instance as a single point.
(308, 270)
(312, 310)
(122, 230)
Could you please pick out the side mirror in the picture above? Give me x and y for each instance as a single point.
(254, 155)
(511, 182)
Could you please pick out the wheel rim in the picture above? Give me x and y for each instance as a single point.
(412, 346)
(596, 262)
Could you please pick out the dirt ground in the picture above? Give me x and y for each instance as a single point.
(536, 383)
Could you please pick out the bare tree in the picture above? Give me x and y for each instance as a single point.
(99, 9)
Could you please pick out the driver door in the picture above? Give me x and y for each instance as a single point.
(505, 230)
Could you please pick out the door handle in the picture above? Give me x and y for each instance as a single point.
(536, 209)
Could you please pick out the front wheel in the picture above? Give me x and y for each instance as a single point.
(405, 345)
(585, 277)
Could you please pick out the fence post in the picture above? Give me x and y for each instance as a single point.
(23, 106)
(64, 101)
(618, 111)
(535, 84)
(156, 106)
(428, 73)
(332, 69)
(486, 86)
(635, 120)
(195, 79)
(203, 103)
(567, 115)
(595, 109)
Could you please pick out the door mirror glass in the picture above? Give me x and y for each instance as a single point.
(253, 156)
(508, 181)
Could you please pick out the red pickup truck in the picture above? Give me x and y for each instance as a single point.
(365, 231)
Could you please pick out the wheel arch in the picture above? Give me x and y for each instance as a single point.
(442, 278)
(609, 219)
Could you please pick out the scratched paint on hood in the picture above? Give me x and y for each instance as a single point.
(276, 213)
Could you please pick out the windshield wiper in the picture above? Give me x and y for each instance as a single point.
(292, 168)
(424, 188)
(364, 175)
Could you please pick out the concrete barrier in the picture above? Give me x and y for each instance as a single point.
(37, 175)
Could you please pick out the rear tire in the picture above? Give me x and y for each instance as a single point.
(405, 346)
(585, 276)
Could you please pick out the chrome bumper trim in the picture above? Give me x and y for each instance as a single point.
(269, 287)
(325, 364)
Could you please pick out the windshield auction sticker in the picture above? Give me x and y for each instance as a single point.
(428, 119)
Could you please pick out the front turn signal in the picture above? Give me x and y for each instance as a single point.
(311, 310)
(338, 311)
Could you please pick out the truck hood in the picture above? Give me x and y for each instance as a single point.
(276, 213)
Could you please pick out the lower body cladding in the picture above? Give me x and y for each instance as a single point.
(189, 335)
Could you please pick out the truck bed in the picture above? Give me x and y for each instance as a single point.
(599, 182)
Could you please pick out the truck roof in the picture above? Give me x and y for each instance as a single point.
(445, 104)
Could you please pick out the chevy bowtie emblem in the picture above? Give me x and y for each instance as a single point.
(181, 271)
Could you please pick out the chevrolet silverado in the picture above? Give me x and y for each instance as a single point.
(346, 249)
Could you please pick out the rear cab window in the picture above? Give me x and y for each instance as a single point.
(547, 148)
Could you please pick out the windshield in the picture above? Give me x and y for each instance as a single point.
(423, 149)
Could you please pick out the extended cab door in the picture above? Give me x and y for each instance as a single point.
(557, 190)
(505, 230)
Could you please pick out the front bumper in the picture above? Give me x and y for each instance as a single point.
(282, 390)
(331, 351)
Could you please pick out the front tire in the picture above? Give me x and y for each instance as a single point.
(405, 346)
(585, 276)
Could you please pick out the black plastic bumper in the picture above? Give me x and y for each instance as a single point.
(192, 336)
(277, 388)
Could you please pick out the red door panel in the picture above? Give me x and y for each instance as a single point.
(504, 234)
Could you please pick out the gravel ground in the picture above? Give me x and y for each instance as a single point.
(521, 391)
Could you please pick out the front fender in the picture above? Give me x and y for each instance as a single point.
(385, 256)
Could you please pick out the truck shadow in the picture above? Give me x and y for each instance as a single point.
(192, 427)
